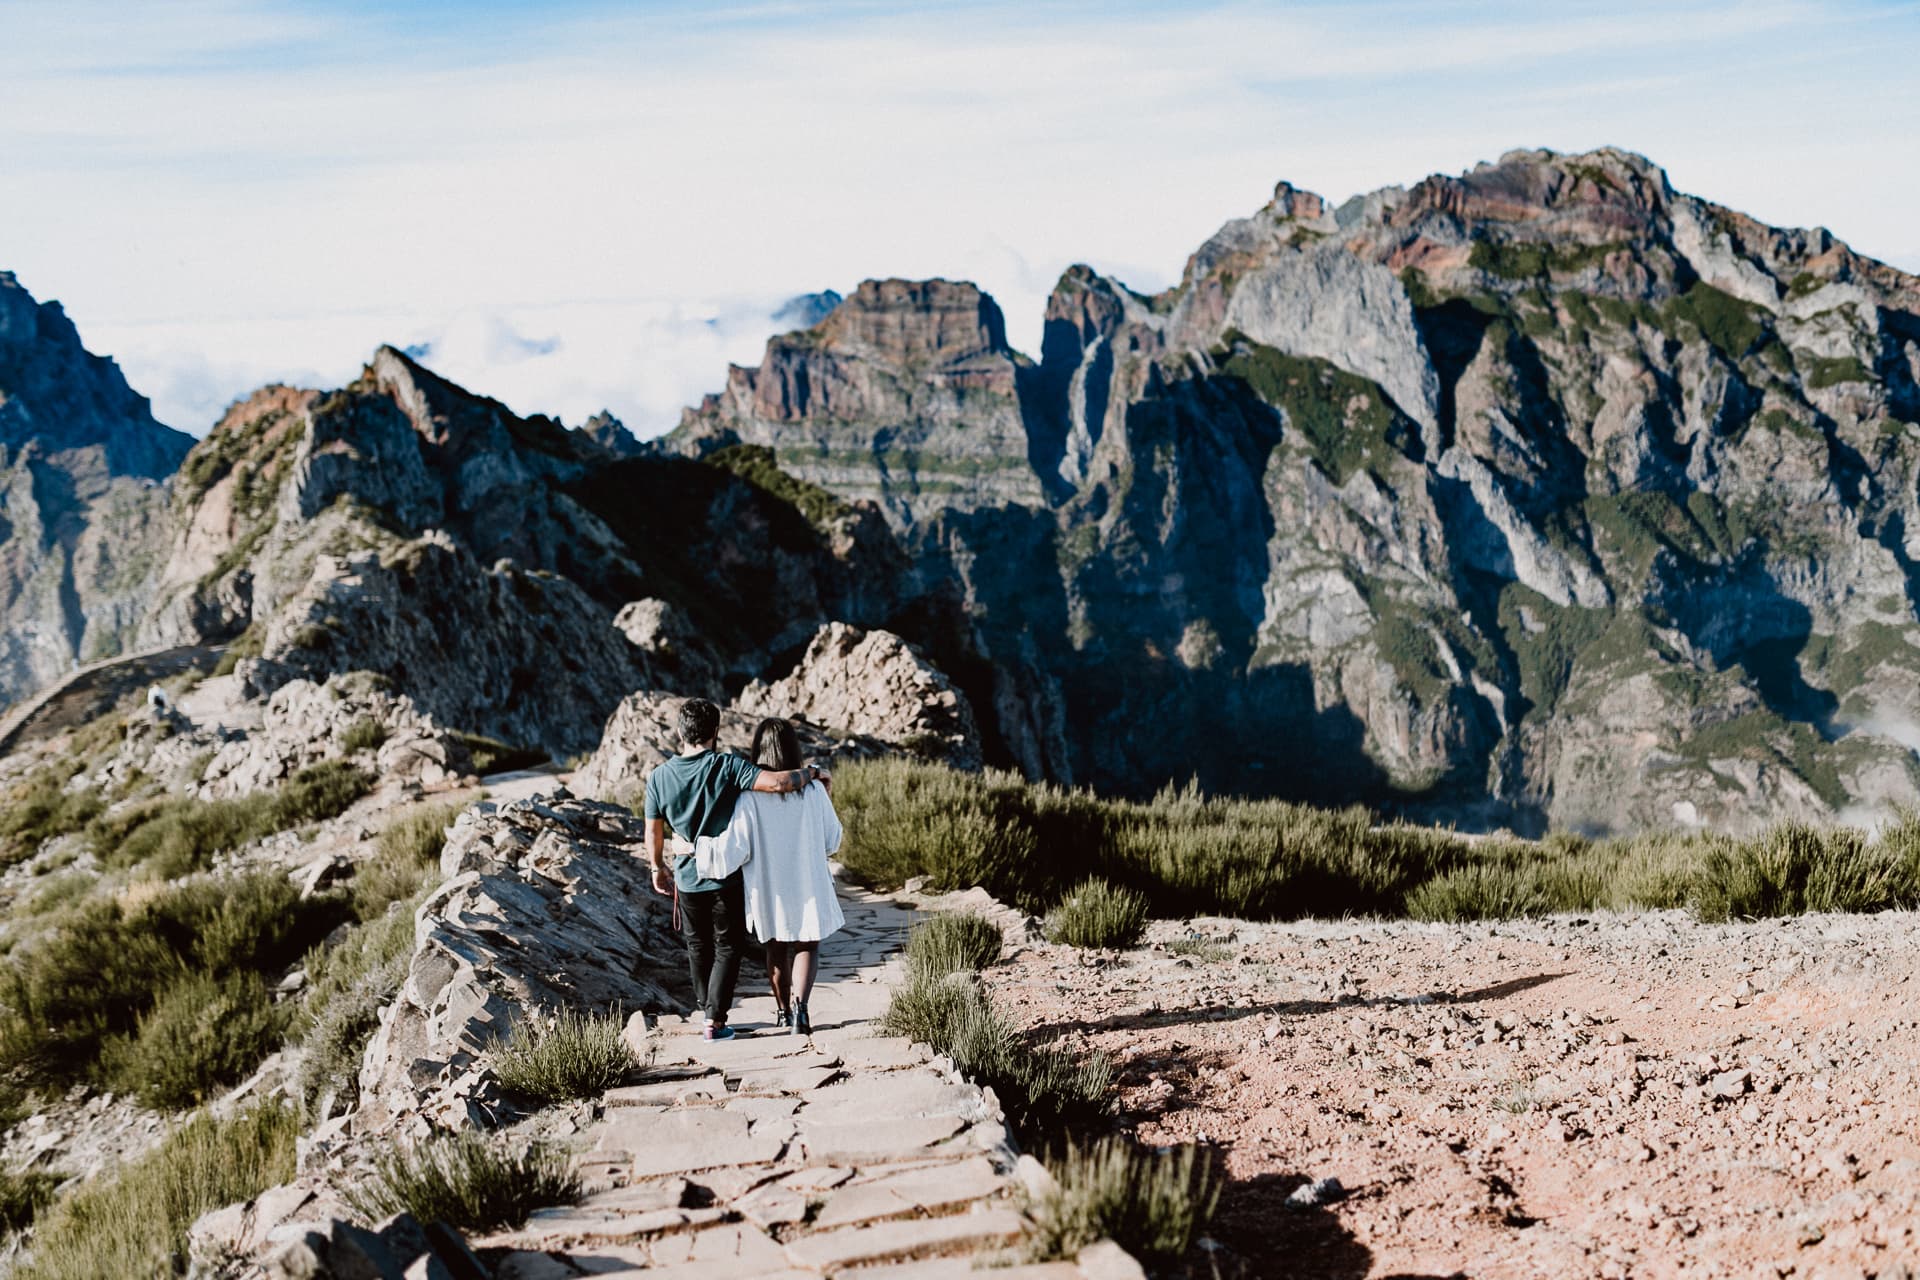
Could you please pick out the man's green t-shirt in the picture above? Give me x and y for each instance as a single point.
(695, 795)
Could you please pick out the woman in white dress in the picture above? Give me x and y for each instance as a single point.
(790, 900)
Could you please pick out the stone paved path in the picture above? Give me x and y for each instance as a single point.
(772, 1155)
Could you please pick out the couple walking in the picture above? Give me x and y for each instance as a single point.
(749, 845)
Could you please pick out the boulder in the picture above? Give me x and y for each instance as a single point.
(356, 714)
(873, 684)
(644, 732)
(548, 904)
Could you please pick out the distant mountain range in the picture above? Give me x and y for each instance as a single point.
(1542, 495)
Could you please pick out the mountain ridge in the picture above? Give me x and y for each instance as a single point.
(1544, 495)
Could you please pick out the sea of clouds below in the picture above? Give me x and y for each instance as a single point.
(643, 360)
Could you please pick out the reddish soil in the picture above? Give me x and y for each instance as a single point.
(1639, 1096)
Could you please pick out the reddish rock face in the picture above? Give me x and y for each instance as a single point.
(904, 321)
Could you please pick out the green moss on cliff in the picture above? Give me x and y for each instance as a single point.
(1734, 327)
(1546, 640)
(757, 465)
(1527, 260)
(1346, 422)
(1823, 373)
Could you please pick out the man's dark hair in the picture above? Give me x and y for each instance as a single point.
(699, 721)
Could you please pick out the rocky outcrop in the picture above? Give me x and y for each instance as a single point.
(906, 394)
(81, 514)
(304, 723)
(528, 658)
(644, 732)
(547, 906)
(873, 684)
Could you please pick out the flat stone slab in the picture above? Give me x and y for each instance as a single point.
(668, 1193)
(763, 1108)
(916, 1191)
(772, 1206)
(895, 1093)
(747, 1053)
(685, 1141)
(873, 1141)
(966, 1269)
(778, 1081)
(852, 1246)
(737, 1249)
(550, 1228)
(877, 1053)
(666, 1093)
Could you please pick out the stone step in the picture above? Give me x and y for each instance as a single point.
(890, 1241)
(918, 1191)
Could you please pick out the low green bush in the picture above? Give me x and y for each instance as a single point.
(956, 943)
(202, 1036)
(1098, 915)
(569, 1055)
(1153, 1204)
(406, 860)
(346, 986)
(23, 1196)
(134, 1222)
(1045, 1092)
(364, 734)
(1795, 868)
(102, 967)
(180, 835)
(470, 1181)
(38, 808)
(1033, 845)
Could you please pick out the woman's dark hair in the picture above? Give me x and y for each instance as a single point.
(776, 745)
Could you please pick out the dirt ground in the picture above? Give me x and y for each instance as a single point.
(1607, 1096)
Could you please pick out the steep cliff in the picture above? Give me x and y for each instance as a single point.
(80, 455)
(1544, 493)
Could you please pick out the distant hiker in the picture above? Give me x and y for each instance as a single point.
(780, 844)
(157, 699)
(693, 795)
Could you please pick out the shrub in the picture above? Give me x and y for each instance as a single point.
(1795, 868)
(407, 859)
(1043, 1091)
(103, 966)
(177, 836)
(37, 809)
(1098, 915)
(135, 1223)
(958, 943)
(570, 1055)
(23, 1196)
(364, 734)
(346, 986)
(468, 1181)
(1192, 854)
(1153, 1204)
(202, 1035)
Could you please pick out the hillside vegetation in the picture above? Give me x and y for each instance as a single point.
(1190, 854)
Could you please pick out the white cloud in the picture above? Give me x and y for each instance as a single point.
(234, 190)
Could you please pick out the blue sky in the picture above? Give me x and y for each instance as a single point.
(589, 204)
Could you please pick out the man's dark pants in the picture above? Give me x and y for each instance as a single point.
(714, 925)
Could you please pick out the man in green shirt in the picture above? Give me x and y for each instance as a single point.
(693, 795)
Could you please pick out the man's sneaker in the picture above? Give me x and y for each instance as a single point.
(802, 1024)
(721, 1032)
(781, 1018)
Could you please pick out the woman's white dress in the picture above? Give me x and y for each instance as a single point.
(789, 888)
